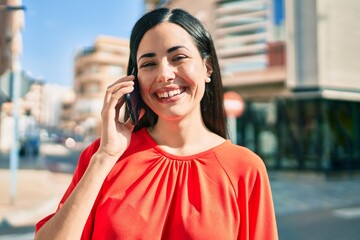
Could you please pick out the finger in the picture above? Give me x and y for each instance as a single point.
(118, 108)
(129, 124)
(121, 102)
(118, 96)
(106, 99)
(118, 90)
(114, 94)
(124, 79)
(115, 88)
(108, 94)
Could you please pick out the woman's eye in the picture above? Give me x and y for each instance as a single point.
(147, 64)
(179, 57)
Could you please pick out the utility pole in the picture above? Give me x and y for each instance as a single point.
(15, 94)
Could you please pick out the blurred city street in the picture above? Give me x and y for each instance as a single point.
(41, 181)
(308, 205)
(291, 94)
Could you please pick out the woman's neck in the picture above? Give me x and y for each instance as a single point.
(185, 137)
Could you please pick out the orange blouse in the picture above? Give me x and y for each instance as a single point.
(221, 193)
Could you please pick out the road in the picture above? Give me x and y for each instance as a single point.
(330, 224)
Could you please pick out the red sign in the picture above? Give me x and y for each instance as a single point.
(234, 104)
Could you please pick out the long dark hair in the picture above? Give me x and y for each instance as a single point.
(212, 109)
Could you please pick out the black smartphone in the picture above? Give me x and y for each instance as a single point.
(133, 101)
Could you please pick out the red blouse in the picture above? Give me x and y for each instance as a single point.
(221, 193)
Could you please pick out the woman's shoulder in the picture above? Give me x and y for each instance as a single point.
(243, 167)
(237, 154)
(239, 160)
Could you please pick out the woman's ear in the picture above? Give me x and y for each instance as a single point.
(209, 68)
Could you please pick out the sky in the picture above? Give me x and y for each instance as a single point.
(55, 30)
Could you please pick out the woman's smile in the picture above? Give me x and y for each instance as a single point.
(170, 93)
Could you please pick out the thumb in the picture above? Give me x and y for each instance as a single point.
(129, 124)
(142, 112)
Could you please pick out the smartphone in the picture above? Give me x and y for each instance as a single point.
(133, 101)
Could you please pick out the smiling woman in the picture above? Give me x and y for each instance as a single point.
(174, 175)
(172, 73)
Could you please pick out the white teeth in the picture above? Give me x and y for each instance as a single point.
(169, 93)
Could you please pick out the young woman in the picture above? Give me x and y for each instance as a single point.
(174, 175)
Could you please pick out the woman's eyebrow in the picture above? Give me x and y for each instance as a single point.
(147, 55)
(170, 50)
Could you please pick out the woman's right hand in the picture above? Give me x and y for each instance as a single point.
(70, 219)
(115, 135)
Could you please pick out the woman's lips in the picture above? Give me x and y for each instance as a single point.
(166, 94)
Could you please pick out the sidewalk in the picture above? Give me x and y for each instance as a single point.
(38, 193)
(299, 191)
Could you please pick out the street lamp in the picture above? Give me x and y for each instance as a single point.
(14, 155)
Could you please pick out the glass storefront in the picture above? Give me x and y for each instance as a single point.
(316, 134)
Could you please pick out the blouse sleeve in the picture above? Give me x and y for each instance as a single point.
(261, 215)
(249, 178)
(83, 162)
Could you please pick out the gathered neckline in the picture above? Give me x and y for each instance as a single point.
(172, 156)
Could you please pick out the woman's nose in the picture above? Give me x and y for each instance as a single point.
(166, 72)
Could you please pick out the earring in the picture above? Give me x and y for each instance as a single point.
(208, 79)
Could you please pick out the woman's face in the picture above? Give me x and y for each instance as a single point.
(171, 72)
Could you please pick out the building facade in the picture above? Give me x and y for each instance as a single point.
(296, 64)
(319, 121)
(11, 25)
(96, 67)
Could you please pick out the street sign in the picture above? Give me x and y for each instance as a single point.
(234, 104)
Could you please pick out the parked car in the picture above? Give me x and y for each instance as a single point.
(29, 146)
